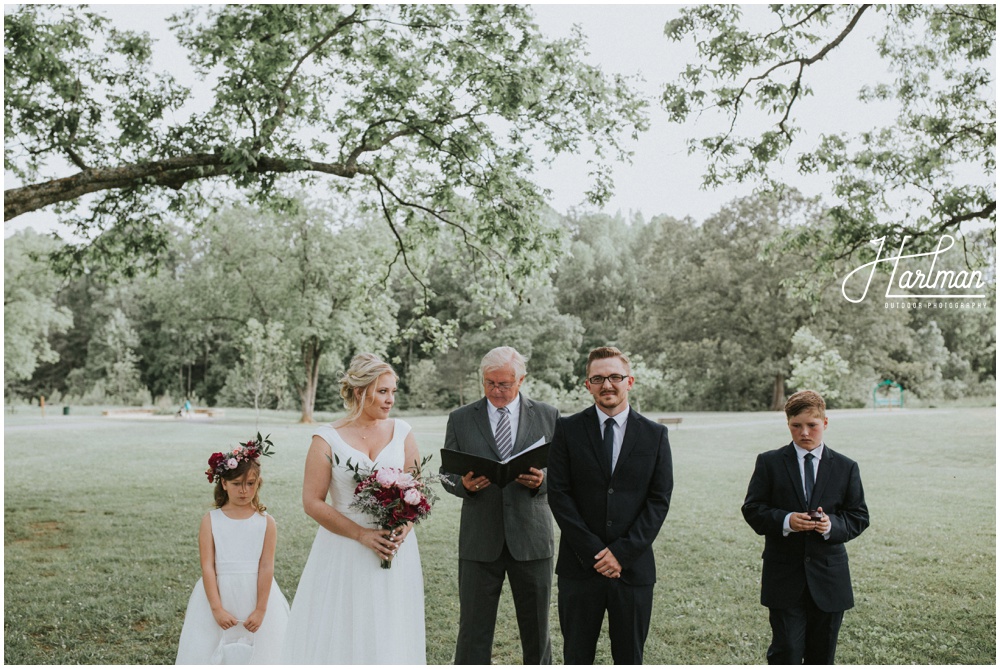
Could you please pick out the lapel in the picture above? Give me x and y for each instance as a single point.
(482, 421)
(593, 430)
(525, 425)
(823, 473)
(632, 428)
(795, 476)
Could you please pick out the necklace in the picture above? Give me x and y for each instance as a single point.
(361, 429)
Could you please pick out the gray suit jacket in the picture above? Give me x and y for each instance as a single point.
(513, 514)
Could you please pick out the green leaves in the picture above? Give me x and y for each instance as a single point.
(31, 313)
(931, 171)
(78, 93)
(433, 116)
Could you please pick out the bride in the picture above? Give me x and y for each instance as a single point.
(347, 609)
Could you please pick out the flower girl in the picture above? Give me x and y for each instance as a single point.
(236, 614)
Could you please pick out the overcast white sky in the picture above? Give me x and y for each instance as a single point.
(628, 39)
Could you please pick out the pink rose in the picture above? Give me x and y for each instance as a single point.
(387, 476)
(405, 480)
(412, 496)
(231, 463)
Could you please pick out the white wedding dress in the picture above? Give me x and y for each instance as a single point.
(347, 609)
(238, 545)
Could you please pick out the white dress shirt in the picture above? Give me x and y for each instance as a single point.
(620, 420)
(800, 456)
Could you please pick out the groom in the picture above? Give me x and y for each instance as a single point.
(504, 531)
(610, 480)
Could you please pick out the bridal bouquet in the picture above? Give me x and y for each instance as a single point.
(392, 496)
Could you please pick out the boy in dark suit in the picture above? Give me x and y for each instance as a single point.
(808, 502)
(610, 480)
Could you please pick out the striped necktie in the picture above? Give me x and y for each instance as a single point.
(505, 441)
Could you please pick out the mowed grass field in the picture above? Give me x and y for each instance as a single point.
(101, 519)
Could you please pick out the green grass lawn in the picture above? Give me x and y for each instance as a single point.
(101, 518)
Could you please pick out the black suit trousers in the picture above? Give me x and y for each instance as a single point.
(803, 633)
(582, 604)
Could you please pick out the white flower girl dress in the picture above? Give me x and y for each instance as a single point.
(238, 545)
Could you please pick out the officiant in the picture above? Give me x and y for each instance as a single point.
(505, 532)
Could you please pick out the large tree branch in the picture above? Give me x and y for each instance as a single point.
(466, 235)
(802, 62)
(955, 221)
(270, 125)
(170, 173)
(400, 246)
(784, 28)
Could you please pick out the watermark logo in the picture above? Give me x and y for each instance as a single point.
(913, 279)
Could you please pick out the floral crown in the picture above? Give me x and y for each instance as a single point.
(220, 463)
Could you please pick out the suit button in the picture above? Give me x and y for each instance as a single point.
(611, 491)
(808, 559)
(609, 523)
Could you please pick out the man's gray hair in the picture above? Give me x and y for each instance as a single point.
(501, 357)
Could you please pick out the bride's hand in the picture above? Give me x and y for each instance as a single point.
(400, 533)
(378, 541)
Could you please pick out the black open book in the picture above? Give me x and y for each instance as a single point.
(499, 473)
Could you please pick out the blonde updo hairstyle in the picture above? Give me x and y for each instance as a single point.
(356, 384)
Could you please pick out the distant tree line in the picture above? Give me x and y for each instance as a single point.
(440, 246)
(257, 308)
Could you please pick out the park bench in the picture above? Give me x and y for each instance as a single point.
(670, 420)
(888, 402)
(211, 413)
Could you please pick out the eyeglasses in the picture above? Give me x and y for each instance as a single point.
(613, 378)
(490, 385)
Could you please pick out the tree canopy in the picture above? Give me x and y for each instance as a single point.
(31, 314)
(434, 116)
(927, 173)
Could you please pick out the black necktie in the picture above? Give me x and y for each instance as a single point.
(609, 442)
(810, 480)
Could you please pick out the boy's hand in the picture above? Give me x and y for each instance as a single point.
(801, 522)
(823, 525)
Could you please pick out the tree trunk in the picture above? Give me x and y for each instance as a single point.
(778, 393)
(311, 352)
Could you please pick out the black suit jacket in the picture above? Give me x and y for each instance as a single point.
(805, 559)
(595, 509)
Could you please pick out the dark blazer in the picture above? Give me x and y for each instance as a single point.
(805, 559)
(513, 514)
(596, 509)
